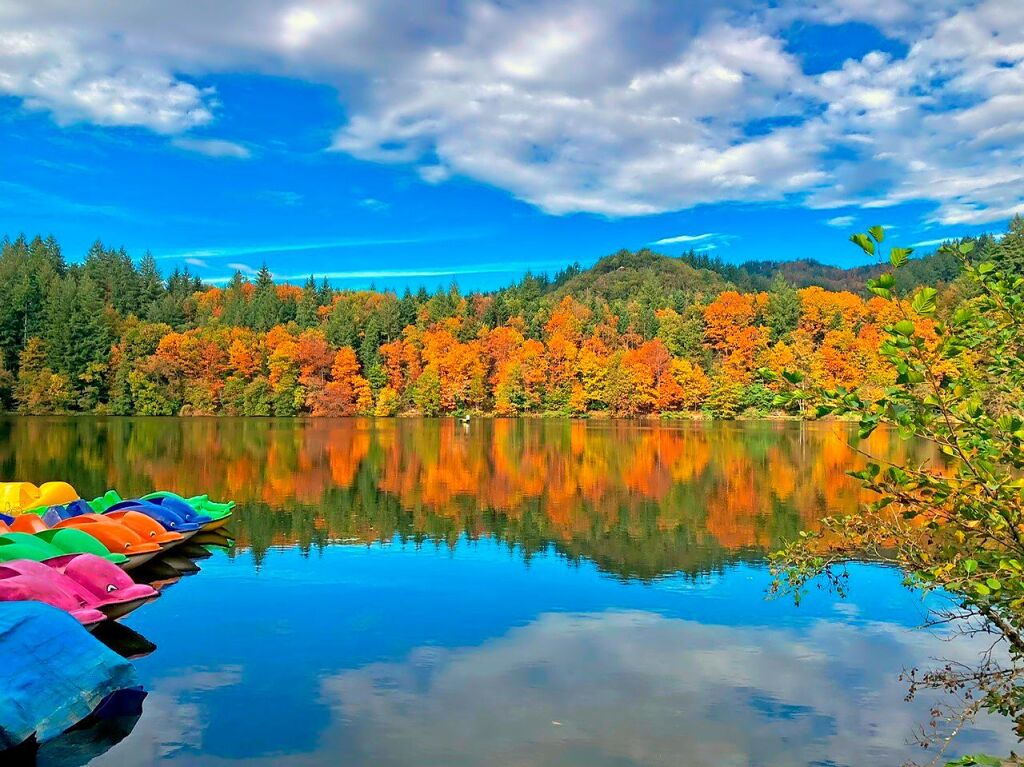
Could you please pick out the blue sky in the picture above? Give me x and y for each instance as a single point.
(403, 143)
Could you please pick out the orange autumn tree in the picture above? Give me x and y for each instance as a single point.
(347, 393)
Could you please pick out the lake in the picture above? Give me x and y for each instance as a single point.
(507, 592)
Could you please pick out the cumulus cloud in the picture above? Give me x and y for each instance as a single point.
(618, 108)
(48, 70)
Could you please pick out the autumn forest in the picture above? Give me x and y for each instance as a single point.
(637, 334)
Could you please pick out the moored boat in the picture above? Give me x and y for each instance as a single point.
(17, 497)
(16, 586)
(219, 512)
(98, 584)
(171, 520)
(115, 536)
(51, 544)
(45, 695)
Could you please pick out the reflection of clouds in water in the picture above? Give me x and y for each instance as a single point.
(637, 688)
(613, 688)
(170, 724)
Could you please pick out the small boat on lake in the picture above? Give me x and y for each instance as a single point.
(115, 536)
(52, 544)
(16, 586)
(46, 694)
(202, 504)
(16, 497)
(199, 511)
(150, 529)
(98, 584)
(169, 519)
(24, 497)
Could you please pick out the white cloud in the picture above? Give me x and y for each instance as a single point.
(684, 238)
(196, 262)
(212, 147)
(898, 17)
(49, 69)
(434, 174)
(613, 107)
(513, 104)
(238, 267)
(930, 243)
(293, 247)
(841, 221)
(373, 204)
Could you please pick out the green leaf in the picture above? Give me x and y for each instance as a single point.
(877, 232)
(976, 760)
(863, 242)
(904, 328)
(982, 589)
(924, 301)
(898, 256)
(994, 584)
(970, 565)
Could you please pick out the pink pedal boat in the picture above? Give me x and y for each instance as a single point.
(15, 587)
(99, 584)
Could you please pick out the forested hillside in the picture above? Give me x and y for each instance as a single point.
(637, 333)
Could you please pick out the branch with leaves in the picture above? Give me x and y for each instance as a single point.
(957, 526)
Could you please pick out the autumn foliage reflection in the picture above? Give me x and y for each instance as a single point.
(639, 500)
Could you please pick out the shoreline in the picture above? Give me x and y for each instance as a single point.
(698, 417)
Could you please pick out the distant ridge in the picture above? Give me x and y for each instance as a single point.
(625, 273)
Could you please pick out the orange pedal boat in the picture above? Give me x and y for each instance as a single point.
(116, 536)
(147, 527)
(28, 523)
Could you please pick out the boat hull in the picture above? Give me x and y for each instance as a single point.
(136, 560)
(121, 609)
(217, 524)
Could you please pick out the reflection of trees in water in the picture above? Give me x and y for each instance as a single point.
(639, 499)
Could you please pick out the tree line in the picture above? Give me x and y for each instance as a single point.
(637, 334)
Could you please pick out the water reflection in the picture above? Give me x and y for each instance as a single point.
(518, 593)
(618, 688)
(640, 500)
(444, 666)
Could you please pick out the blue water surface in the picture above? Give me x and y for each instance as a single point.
(507, 594)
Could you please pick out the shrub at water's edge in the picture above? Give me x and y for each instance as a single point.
(638, 334)
(957, 527)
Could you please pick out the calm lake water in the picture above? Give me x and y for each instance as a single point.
(518, 593)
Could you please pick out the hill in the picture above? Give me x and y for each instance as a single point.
(627, 274)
